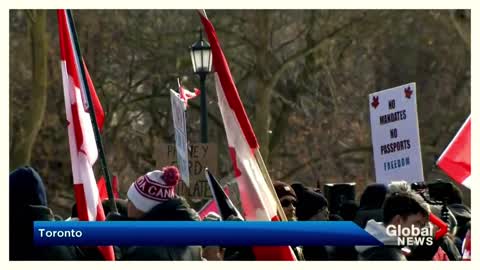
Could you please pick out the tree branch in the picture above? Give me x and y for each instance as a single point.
(237, 35)
(290, 41)
(30, 16)
(300, 167)
(283, 67)
(463, 35)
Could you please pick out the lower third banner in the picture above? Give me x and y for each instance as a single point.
(177, 233)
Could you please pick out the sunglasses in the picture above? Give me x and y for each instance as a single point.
(286, 203)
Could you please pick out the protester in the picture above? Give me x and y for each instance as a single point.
(371, 204)
(92, 253)
(398, 186)
(403, 209)
(462, 214)
(236, 253)
(288, 199)
(442, 249)
(311, 206)
(445, 191)
(335, 217)
(152, 197)
(213, 253)
(348, 210)
(28, 203)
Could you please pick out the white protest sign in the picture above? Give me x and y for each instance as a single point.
(180, 125)
(395, 135)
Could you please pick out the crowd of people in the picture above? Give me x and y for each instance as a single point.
(399, 204)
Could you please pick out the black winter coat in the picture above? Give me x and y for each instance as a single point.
(382, 253)
(28, 203)
(426, 253)
(176, 209)
(21, 238)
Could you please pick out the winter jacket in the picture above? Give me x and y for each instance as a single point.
(364, 215)
(28, 203)
(389, 252)
(239, 254)
(340, 253)
(427, 253)
(315, 253)
(448, 245)
(176, 209)
(463, 215)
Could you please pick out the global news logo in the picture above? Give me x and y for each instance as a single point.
(411, 236)
(415, 236)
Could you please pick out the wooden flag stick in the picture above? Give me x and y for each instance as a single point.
(263, 169)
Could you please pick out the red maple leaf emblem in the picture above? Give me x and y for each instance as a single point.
(442, 226)
(375, 102)
(408, 92)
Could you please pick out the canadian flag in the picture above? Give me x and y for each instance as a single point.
(455, 160)
(185, 95)
(467, 247)
(211, 206)
(257, 199)
(102, 188)
(83, 149)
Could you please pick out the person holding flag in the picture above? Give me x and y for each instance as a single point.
(81, 106)
(152, 197)
(257, 193)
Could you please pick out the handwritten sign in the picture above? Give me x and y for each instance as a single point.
(200, 156)
(395, 134)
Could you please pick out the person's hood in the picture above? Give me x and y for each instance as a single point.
(378, 230)
(176, 209)
(373, 196)
(309, 202)
(26, 188)
(460, 211)
(364, 215)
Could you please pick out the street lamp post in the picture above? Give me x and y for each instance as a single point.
(201, 54)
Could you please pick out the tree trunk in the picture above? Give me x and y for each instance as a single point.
(262, 77)
(32, 120)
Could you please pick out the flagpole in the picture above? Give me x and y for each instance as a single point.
(98, 138)
(263, 169)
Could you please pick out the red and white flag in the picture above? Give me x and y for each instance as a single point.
(185, 95)
(102, 188)
(258, 201)
(467, 247)
(211, 206)
(83, 149)
(455, 160)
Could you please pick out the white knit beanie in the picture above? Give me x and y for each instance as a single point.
(154, 188)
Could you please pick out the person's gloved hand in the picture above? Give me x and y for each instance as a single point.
(234, 218)
(114, 216)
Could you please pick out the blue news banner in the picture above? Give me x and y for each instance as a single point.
(177, 233)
